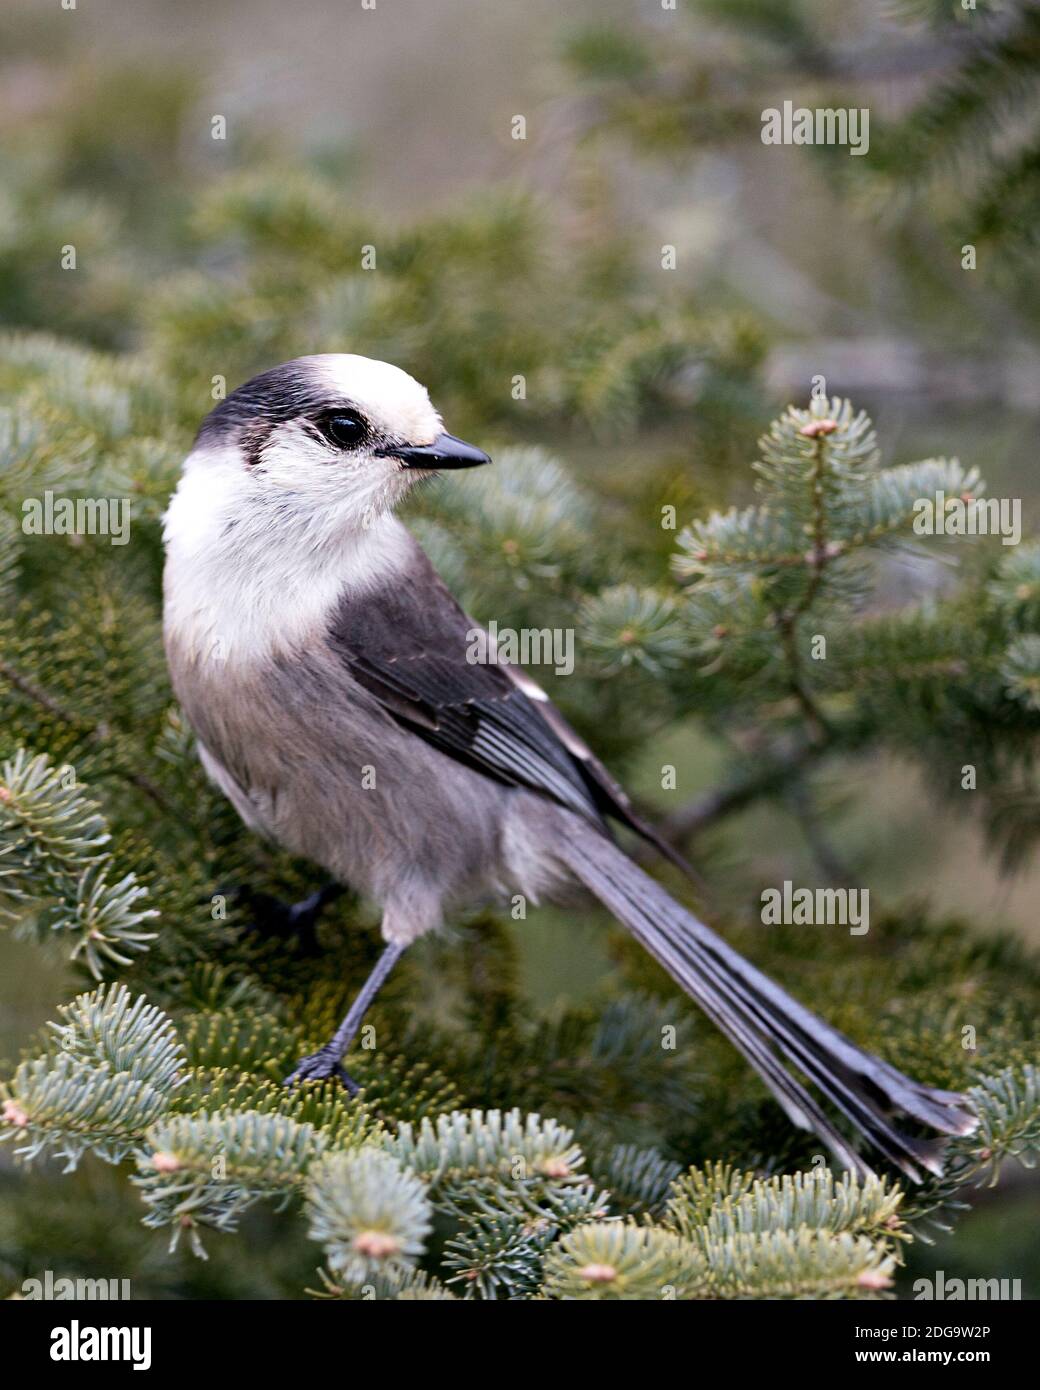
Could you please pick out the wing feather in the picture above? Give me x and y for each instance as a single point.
(411, 646)
(408, 645)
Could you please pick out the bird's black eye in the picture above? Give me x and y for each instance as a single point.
(345, 428)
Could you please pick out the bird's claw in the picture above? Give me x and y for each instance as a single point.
(322, 1066)
(272, 917)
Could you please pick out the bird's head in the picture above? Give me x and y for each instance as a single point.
(332, 431)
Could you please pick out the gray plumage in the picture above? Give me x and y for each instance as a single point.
(323, 666)
(314, 758)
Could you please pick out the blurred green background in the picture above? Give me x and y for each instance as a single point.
(535, 256)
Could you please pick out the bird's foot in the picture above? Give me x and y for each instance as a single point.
(321, 1066)
(272, 917)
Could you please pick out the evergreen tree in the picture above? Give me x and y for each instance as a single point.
(521, 1156)
(611, 1148)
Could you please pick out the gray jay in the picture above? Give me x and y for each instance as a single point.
(322, 664)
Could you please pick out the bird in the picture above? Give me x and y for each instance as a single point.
(322, 664)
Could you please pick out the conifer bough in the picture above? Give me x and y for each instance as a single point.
(191, 1092)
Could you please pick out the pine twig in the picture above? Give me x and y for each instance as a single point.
(94, 732)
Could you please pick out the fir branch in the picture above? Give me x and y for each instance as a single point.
(371, 1215)
(206, 1170)
(806, 1263)
(1015, 588)
(345, 1120)
(506, 1227)
(52, 865)
(498, 1256)
(1020, 670)
(621, 1261)
(524, 1149)
(626, 626)
(9, 558)
(111, 1029)
(769, 776)
(405, 1285)
(62, 1105)
(1008, 1107)
(813, 1199)
(97, 734)
(118, 1066)
(638, 1179)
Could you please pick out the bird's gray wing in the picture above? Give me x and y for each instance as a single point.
(407, 644)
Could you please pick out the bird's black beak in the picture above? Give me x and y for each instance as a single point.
(445, 452)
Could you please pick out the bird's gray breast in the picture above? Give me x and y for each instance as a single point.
(313, 760)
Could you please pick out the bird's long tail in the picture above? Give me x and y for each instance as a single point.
(788, 1045)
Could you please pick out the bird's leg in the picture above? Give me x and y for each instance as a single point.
(328, 1060)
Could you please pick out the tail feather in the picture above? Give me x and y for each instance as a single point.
(834, 1082)
(770, 1028)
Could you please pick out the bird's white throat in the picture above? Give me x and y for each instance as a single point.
(252, 577)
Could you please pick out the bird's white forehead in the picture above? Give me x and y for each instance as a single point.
(394, 401)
